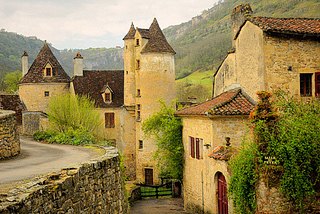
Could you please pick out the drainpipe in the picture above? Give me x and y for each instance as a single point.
(202, 191)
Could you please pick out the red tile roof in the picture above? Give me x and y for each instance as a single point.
(233, 102)
(298, 26)
(157, 42)
(223, 153)
(36, 74)
(92, 83)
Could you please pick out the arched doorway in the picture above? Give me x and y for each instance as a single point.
(222, 195)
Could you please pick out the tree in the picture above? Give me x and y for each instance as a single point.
(67, 111)
(11, 81)
(166, 129)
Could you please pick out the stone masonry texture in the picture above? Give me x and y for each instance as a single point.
(9, 135)
(95, 186)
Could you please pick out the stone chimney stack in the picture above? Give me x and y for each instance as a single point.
(24, 63)
(239, 14)
(78, 65)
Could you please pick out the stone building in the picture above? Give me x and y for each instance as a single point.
(206, 129)
(124, 98)
(271, 53)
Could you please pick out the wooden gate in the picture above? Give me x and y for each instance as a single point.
(148, 176)
(163, 190)
(222, 195)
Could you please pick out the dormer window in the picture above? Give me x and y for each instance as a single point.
(106, 93)
(137, 42)
(47, 71)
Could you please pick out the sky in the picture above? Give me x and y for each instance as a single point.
(79, 24)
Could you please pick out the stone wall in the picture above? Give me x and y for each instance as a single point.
(33, 121)
(95, 186)
(13, 103)
(9, 135)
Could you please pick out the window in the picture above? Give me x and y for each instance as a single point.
(46, 93)
(107, 97)
(139, 107)
(127, 72)
(140, 144)
(126, 47)
(138, 64)
(137, 42)
(138, 93)
(191, 139)
(138, 116)
(305, 85)
(109, 120)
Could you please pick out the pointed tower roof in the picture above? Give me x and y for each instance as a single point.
(131, 32)
(157, 42)
(25, 53)
(36, 73)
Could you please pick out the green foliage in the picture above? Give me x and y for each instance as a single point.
(11, 81)
(67, 111)
(291, 135)
(166, 129)
(73, 137)
(242, 183)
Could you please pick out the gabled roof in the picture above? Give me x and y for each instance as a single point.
(157, 42)
(92, 83)
(223, 153)
(233, 102)
(36, 74)
(131, 33)
(297, 26)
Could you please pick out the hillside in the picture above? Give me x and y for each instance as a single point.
(203, 42)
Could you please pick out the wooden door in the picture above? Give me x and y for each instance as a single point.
(149, 176)
(222, 195)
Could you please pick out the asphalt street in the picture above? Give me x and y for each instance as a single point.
(40, 158)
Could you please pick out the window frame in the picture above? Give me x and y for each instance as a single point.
(305, 84)
(109, 121)
(46, 93)
(140, 144)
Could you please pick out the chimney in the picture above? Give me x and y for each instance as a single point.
(239, 14)
(25, 65)
(78, 65)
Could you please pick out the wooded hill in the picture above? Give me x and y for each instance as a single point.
(200, 43)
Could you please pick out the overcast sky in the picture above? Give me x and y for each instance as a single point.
(92, 23)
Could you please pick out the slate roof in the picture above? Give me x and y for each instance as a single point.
(13, 102)
(233, 102)
(144, 33)
(35, 73)
(157, 42)
(298, 26)
(93, 82)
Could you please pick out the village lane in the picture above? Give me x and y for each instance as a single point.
(40, 158)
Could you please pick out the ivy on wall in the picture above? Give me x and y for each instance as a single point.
(284, 152)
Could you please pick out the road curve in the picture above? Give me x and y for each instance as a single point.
(40, 158)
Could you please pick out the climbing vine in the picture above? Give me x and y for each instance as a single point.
(287, 132)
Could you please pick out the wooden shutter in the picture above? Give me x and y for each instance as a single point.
(197, 148)
(192, 146)
(317, 84)
(109, 120)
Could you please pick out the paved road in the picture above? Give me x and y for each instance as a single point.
(162, 205)
(40, 158)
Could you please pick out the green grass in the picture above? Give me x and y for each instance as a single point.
(205, 78)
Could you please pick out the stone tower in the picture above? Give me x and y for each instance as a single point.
(149, 77)
(44, 79)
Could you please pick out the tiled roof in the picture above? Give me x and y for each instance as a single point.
(157, 42)
(131, 33)
(223, 153)
(93, 82)
(144, 33)
(36, 74)
(13, 102)
(233, 102)
(299, 26)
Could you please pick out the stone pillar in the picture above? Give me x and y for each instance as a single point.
(78, 65)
